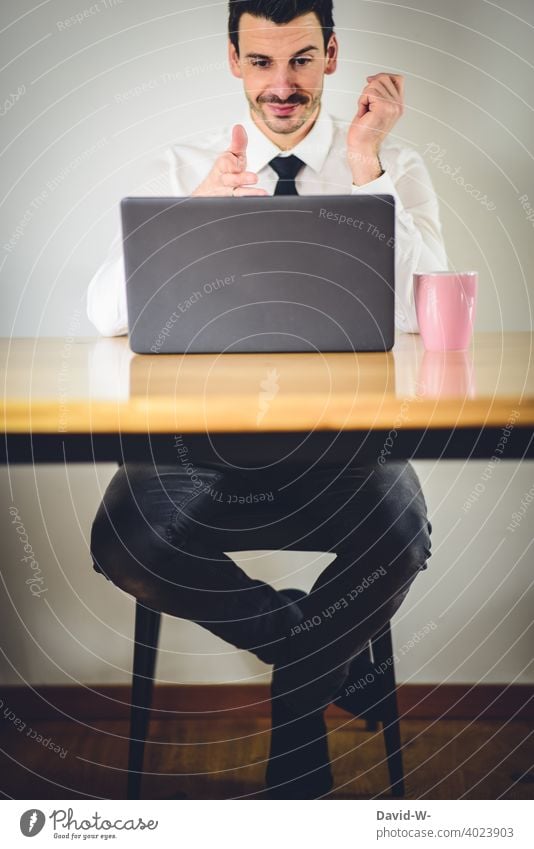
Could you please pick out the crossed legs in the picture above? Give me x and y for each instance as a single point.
(160, 534)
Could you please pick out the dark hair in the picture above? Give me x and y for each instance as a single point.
(280, 12)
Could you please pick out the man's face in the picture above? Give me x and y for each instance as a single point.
(282, 67)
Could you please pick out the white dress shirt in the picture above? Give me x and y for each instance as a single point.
(418, 239)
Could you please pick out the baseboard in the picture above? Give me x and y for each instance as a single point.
(175, 701)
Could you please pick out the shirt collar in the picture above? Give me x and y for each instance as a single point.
(313, 149)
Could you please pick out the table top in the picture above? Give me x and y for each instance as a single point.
(79, 385)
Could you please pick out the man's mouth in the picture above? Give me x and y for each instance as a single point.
(283, 111)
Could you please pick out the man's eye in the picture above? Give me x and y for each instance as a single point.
(260, 63)
(302, 61)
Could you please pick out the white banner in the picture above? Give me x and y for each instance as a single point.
(266, 824)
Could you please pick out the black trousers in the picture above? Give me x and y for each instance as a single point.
(161, 532)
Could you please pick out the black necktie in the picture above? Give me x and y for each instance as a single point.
(287, 168)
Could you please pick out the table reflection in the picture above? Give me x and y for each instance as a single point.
(447, 374)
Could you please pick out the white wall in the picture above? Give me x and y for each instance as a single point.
(73, 143)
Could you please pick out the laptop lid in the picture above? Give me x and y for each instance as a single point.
(263, 274)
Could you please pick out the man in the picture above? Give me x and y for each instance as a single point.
(161, 536)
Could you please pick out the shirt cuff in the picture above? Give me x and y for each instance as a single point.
(383, 185)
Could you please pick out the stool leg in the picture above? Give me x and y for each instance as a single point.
(371, 724)
(147, 625)
(382, 646)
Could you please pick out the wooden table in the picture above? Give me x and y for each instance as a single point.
(94, 400)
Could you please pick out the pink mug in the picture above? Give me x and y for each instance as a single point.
(445, 302)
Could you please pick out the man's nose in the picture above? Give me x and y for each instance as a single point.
(282, 85)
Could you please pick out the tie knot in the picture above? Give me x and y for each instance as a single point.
(287, 167)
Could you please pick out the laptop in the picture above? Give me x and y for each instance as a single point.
(260, 274)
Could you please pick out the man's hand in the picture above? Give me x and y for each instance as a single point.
(380, 106)
(229, 177)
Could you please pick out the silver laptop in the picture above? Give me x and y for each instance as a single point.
(264, 274)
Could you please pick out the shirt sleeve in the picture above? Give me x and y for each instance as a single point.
(106, 293)
(418, 238)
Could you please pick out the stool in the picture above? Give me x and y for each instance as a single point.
(147, 627)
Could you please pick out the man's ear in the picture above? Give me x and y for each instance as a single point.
(332, 51)
(233, 61)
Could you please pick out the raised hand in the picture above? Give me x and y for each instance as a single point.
(229, 177)
(380, 106)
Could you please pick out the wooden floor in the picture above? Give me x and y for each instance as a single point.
(221, 759)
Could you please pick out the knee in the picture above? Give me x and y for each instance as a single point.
(126, 543)
(403, 514)
(395, 524)
(142, 531)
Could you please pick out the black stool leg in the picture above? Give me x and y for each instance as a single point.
(383, 658)
(371, 724)
(147, 624)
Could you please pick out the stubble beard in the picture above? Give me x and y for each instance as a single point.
(285, 126)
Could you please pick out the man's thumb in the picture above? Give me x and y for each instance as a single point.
(239, 142)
